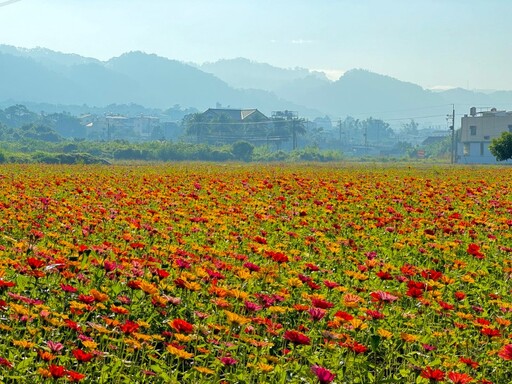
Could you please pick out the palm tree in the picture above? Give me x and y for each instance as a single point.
(195, 124)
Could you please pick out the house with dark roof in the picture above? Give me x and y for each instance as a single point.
(222, 125)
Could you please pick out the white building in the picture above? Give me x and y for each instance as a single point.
(477, 131)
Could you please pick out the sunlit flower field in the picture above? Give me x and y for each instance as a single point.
(196, 273)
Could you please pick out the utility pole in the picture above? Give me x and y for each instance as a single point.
(453, 135)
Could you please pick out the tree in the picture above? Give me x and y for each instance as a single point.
(242, 150)
(195, 124)
(410, 128)
(501, 147)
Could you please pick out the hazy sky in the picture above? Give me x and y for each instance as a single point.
(465, 43)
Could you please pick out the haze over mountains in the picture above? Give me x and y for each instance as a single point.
(44, 76)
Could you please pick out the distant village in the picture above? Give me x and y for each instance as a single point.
(282, 130)
(463, 141)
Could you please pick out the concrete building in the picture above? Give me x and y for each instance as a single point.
(477, 131)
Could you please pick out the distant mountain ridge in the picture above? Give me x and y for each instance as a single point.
(44, 76)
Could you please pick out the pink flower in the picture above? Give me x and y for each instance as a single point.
(506, 352)
(227, 360)
(54, 346)
(383, 296)
(317, 313)
(323, 374)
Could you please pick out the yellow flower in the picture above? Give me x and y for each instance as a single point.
(407, 337)
(19, 309)
(147, 287)
(243, 274)
(132, 343)
(4, 327)
(384, 333)
(358, 323)
(100, 328)
(467, 279)
(294, 282)
(236, 319)
(183, 338)
(141, 336)
(24, 344)
(263, 367)
(89, 344)
(204, 370)
(277, 309)
(179, 352)
(238, 294)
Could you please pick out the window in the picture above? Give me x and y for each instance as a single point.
(466, 149)
(487, 137)
(481, 148)
(510, 128)
(472, 130)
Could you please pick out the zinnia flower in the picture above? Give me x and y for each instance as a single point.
(459, 378)
(323, 374)
(57, 371)
(432, 374)
(506, 352)
(296, 337)
(5, 362)
(182, 326)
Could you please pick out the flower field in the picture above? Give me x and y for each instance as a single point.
(197, 273)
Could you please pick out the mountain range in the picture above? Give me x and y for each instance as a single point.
(44, 76)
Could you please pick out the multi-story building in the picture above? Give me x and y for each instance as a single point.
(477, 131)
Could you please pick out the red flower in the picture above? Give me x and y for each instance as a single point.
(68, 288)
(375, 315)
(312, 267)
(75, 376)
(331, 284)
(182, 326)
(57, 371)
(252, 267)
(384, 275)
(297, 337)
(87, 299)
(469, 362)
(82, 356)
(251, 306)
(432, 374)
(355, 346)
(506, 352)
(431, 274)
(6, 284)
(459, 378)
(460, 295)
(445, 305)
(71, 324)
(320, 303)
(129, 327)
(491, 332)
(5, 362)
(344, 315)
(323, 374)
(474, 250)
(35, 263)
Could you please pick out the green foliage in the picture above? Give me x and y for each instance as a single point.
(242, 150)
(501, 147)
